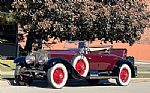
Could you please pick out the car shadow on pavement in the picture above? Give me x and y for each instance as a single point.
(84, 83)
(70, 83)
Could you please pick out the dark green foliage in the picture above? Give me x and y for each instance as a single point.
(5, 5)
(6, 15)
(107, 20)
(7, 20)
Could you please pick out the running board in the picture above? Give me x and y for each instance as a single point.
(103, 77)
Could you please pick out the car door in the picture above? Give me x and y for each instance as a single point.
(100, 61)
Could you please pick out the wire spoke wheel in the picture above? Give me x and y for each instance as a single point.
(57, 76)
(124, 75)
(81, 65)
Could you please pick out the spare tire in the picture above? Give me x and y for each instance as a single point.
(81, 65)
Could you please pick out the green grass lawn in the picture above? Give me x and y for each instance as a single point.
(7, 65)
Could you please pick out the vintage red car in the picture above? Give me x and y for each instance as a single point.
(84, 62)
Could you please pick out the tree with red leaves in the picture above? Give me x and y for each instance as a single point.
(107, 20)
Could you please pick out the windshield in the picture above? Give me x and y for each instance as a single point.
(76, 44)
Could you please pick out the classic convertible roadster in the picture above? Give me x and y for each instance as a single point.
(84, 62)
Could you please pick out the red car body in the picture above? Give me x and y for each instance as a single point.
(98, 60)
(90, 63)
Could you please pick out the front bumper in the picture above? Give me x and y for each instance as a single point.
(38, 74)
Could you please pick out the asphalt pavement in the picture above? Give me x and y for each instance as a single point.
(135, 86)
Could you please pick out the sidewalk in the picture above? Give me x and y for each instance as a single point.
(4, 83)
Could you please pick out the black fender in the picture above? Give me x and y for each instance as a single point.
(129, 63)
(131, 59)
(69, 67)
(20, 60)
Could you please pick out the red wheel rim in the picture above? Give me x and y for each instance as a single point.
(124, 75)
(80, 66)
(58, 75)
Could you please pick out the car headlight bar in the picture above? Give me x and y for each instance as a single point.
(42, 59)
(30, 59)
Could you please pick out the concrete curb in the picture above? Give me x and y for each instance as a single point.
(146, 72)
(140, 79)
(5, 83)
(142, 61)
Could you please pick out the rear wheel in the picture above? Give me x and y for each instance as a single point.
(20, 78)
(57, 76)
(124, 75)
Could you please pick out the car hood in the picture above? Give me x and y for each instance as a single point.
(65, 52)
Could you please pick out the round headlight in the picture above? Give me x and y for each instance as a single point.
(30, 59)
(43, 58)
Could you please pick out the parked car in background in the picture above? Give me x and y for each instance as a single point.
(82, 62)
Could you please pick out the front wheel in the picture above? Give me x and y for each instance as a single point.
(57, 76)
(124, 75)
(20, 78)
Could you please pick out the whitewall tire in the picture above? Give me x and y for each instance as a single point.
(124, 76)
(81, 65)
(57, 76)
